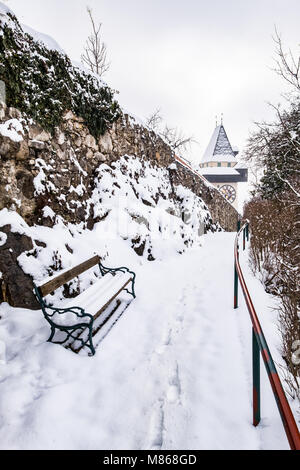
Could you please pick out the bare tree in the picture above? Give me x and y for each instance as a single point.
(274, 213)
(172, 135)
(275, 146)
(95, 52)
(287, 65)
(154, 120)
(176, 139)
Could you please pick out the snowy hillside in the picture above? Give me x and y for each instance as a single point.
(97, 170)
(4, 9)
(135, 214)
(41, 81)
(47, 40)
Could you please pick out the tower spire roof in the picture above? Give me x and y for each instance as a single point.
(219, 148)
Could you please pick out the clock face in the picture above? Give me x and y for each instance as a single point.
(229, 192)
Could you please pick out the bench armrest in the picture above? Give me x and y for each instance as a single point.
(104, 270)
(78, 311)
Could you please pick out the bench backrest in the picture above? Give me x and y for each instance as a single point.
(67, 276)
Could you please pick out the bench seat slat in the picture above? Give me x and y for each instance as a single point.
(83, 300)
(101, 294)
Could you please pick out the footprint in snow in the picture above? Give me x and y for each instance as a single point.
(166, 341)
(174, 390)
(156, 427)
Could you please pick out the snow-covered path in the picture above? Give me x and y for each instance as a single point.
(173, 373)
(204, 390)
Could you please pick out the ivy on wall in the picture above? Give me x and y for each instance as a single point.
(44, 84)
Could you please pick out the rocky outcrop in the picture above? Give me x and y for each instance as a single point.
(11, 274)
(220, 209)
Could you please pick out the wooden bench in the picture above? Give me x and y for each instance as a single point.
(73, 320)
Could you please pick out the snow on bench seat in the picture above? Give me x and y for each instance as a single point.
(94, 299)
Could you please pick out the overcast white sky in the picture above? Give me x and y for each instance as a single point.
(193, 59)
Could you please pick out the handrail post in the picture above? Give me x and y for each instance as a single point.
(236, 279)
(236, 287)
(256, 378)
(244, 239)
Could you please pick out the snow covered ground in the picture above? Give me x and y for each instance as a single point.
(173, 373)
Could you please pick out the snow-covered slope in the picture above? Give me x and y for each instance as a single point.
(48, 41)
(4, 9)
(173, 373)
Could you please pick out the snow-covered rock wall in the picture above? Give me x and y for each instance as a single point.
(39, 169)
(54, 185)
(127, 207)
(69, 183)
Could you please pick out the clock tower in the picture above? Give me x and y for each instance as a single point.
(219, 165)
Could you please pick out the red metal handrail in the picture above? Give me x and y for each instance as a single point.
(286, 414)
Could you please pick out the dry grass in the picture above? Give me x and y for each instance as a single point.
(275, 254)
